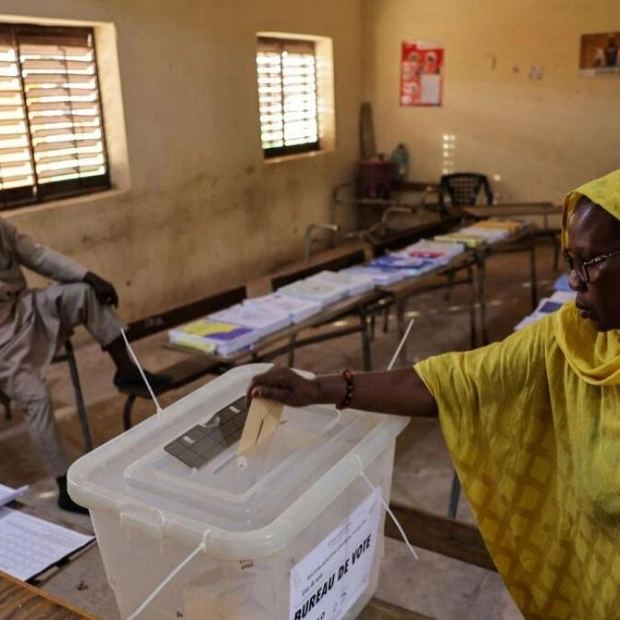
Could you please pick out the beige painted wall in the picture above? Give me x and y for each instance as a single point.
(542, 137)
(203, 211)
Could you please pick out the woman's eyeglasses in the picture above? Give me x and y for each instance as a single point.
(580, 266)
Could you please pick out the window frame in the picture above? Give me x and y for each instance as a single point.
(283, 44)
(22, 34)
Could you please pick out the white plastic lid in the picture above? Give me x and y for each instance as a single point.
(313, 456)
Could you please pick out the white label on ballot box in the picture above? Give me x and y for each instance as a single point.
(328, 581)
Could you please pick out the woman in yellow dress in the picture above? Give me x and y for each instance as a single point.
(532, 424)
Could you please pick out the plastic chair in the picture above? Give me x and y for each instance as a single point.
(463, 188)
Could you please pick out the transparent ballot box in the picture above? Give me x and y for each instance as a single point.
(291, 530)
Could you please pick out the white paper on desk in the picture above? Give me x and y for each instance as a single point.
(29, 545)
(7, 494)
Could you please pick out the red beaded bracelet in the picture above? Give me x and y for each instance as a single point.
(347, 375)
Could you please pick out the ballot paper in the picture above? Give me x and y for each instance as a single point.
(353, 284)
(322, 292)
(490, 235)
(221, 337)
(29, 545)
(408, 265)
(265, 321)
(8, 494)
(262, 422)
(468, 240)
(439, 251)
(297, 308)
(380, 276)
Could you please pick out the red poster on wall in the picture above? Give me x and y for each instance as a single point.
(421, 73)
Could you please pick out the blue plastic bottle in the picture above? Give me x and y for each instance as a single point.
(400, 156)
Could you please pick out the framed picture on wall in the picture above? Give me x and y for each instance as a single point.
(421, 73)
(600, 54)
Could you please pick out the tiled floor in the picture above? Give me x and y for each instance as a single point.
(434, 585)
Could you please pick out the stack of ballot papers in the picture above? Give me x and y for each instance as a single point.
(316, 289)
(298, 309)
(265, 321)
(355, 284)
(486, 231)
(382, 276)
(441, 252)
(218, 337)
(490, 235)
(545, 307)
(511, 226)
(408, 266)
(469, 240)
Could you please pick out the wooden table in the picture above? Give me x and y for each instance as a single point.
(21, 601)
(524, 239)
(380, 610)
(440, 278)
(436, 533)
(518, 209)
(271, 346)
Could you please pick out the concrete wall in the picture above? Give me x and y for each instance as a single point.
(540, 137)
(200, 210)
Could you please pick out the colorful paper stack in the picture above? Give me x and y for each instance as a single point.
(255, 317)
(219, 337)
(297, 309)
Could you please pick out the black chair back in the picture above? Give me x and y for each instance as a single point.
(464, 188)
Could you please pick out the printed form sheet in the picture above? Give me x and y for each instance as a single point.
(29, 545)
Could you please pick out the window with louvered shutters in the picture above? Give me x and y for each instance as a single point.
(51, 128)
(287, 94)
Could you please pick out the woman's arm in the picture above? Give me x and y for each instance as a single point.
(399, 391)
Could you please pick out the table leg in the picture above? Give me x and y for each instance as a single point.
(482, 298)
(533, 278)
(472, 308)
(365, 333)
(400, 307)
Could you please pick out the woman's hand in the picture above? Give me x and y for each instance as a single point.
(285, 386)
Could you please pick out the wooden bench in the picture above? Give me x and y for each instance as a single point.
(187, 370)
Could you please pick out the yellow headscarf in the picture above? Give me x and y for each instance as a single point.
(604, 191)
(595, 357)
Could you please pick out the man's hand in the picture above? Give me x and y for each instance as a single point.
(104, 291)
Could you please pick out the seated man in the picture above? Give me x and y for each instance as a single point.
(35, 323)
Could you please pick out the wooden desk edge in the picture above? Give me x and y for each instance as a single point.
(21, 601)
(16, 594)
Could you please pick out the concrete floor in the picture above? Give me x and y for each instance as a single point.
(436, 586)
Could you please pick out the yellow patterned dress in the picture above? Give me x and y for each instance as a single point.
(533, 426)
(535, 440)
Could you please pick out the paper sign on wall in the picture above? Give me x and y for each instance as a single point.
(330, 579)
(421, 73)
